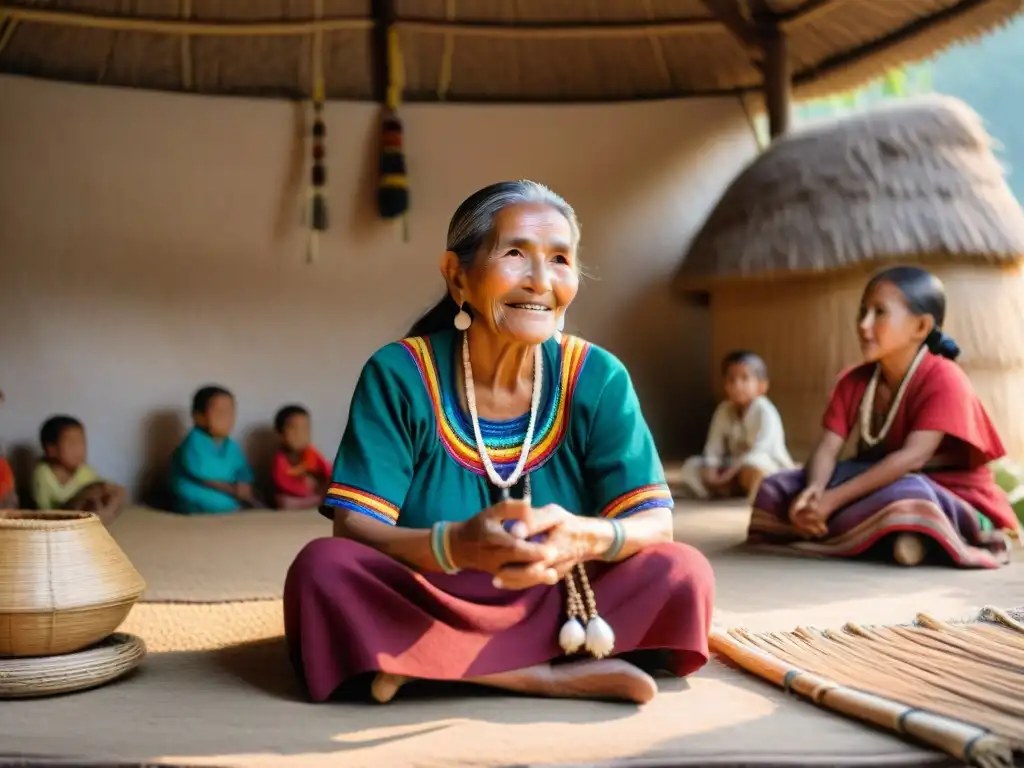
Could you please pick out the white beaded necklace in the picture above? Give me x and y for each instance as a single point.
(867, 403)
(538, 380)
(584, 627)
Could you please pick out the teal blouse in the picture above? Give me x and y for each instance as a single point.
(408, 456)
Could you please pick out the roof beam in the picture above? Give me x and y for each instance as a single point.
(526, 30)
(383, 17)
(778, 76)
(559, 30)
(7, 27)
(729, 14)
(805, 12)
(186, 48)
(172, 26)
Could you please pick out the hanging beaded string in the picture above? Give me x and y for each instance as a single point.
(393, 187)
(317, 215)
(867, 403)
(584, 627)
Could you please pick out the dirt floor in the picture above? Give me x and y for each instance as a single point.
(216, 688)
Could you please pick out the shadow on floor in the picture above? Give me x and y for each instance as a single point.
(265, 666)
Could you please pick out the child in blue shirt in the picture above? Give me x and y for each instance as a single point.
(209, 471)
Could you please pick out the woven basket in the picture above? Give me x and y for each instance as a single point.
(65, 584)
(115, 656)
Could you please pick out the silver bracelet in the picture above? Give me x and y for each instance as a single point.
(618, 540)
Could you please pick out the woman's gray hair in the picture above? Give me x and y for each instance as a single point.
(472, 228)
(472, 225)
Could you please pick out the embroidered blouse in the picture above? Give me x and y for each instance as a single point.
(938, 398)
(408, 456)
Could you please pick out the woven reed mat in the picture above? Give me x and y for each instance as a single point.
(237, 704)
(213, 558)
(245, 556)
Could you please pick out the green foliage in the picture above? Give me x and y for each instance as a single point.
(895, 84)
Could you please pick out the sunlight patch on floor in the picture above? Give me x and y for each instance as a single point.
(594, 731)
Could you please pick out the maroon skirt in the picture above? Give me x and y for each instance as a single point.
(351, 610)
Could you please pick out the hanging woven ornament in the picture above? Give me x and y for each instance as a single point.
(393, 189)
(317, 210)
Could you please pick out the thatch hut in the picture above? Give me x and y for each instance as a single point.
(786, 252)
(491, 51)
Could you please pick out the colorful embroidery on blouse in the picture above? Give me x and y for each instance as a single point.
(639, 499)
(348, 497)
(502, 439)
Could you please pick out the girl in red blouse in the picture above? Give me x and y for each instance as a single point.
(920, 480)
(300, 472)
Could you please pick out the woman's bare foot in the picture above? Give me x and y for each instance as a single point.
(385, 686)
(908, 549)
(613, 679)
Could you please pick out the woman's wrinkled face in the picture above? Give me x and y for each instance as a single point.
(521, 286)
(886, 325)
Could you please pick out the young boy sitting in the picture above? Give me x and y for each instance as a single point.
(209, 471)
(8, 492)
(8, 489)
(746, 440)
(300, 473)
(63, 481)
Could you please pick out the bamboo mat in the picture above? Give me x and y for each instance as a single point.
(956, 687)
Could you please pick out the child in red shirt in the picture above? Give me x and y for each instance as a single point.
(300, 472)
(8, 494)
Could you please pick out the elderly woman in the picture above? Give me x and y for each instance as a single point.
(500, 513)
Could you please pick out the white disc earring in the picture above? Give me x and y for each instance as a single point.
(463, 320)
(561, 322)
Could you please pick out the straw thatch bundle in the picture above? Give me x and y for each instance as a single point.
(786, 252)
(483, 50)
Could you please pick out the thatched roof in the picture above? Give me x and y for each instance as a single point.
(916, 180)
(481, 50)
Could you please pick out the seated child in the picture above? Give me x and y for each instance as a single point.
(746, 440)
(300, 474)
(920, 481)
(209, 471)
(8, 492)
(63, 481)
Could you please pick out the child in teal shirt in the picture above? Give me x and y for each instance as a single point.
(209, 471)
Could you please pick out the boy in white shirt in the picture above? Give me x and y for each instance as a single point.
(746, 441)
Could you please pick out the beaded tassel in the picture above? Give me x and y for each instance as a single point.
(393, 187)
(584, 626)
(317, 215)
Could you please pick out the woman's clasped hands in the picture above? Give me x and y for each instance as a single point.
(522, 546)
